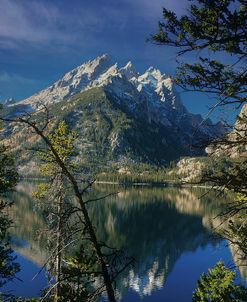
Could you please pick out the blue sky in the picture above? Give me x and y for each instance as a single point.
(40, 40)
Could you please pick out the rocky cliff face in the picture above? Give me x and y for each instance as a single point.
(120, 113)
(190, 169)
(234, 145)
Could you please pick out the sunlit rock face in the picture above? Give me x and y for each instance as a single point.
(237, 146)
(190, 169)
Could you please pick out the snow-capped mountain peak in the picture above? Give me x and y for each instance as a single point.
(102, 72)
(151, 91)
(74, 81)
(142, 113)
(103, 78)
(129, 71)
(151, 77)
(88, 71)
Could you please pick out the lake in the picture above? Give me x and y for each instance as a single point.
(168, 231)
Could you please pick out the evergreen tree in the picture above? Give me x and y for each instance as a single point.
(218, 286)
(8, 179)
(215, 32)
(56, 207)
(211, 30)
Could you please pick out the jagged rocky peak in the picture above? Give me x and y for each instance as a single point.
(104, 77)
(96, 67)
(151, 93)
(86, 72)
(129, 71)
(99, 72)
(151, 76)
(74, 81)
(162, 85)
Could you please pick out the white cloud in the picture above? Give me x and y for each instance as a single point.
(29, 21)
(58, 25)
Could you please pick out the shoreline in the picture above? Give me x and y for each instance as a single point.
(146, 184)
(168, 183)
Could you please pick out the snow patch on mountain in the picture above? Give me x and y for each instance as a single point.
(101, 72)
(152, 93)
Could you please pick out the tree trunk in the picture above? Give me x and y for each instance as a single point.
(92, 234)
(59, 239)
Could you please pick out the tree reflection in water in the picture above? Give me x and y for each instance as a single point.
(154, 225)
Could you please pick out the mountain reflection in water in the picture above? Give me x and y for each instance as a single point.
(154, 225)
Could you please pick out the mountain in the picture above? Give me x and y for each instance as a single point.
(120, 115)
(222, 153)
(235, 146)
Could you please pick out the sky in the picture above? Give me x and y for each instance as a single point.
(40, 40)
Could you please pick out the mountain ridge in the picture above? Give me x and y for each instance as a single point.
(122, 115)
(152, 87)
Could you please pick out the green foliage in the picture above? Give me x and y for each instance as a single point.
(81, 271)
(215, 26)
(62, 140)
(56, 157)
(218, 30)
(231, 174)
(8, 179)
(43, 188)
(218, 286)
(8, 266)
(211, 27)
(58, 208)
(153, 176)
(237, 224)
(8, 174)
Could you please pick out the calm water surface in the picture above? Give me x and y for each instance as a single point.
(167, 230)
